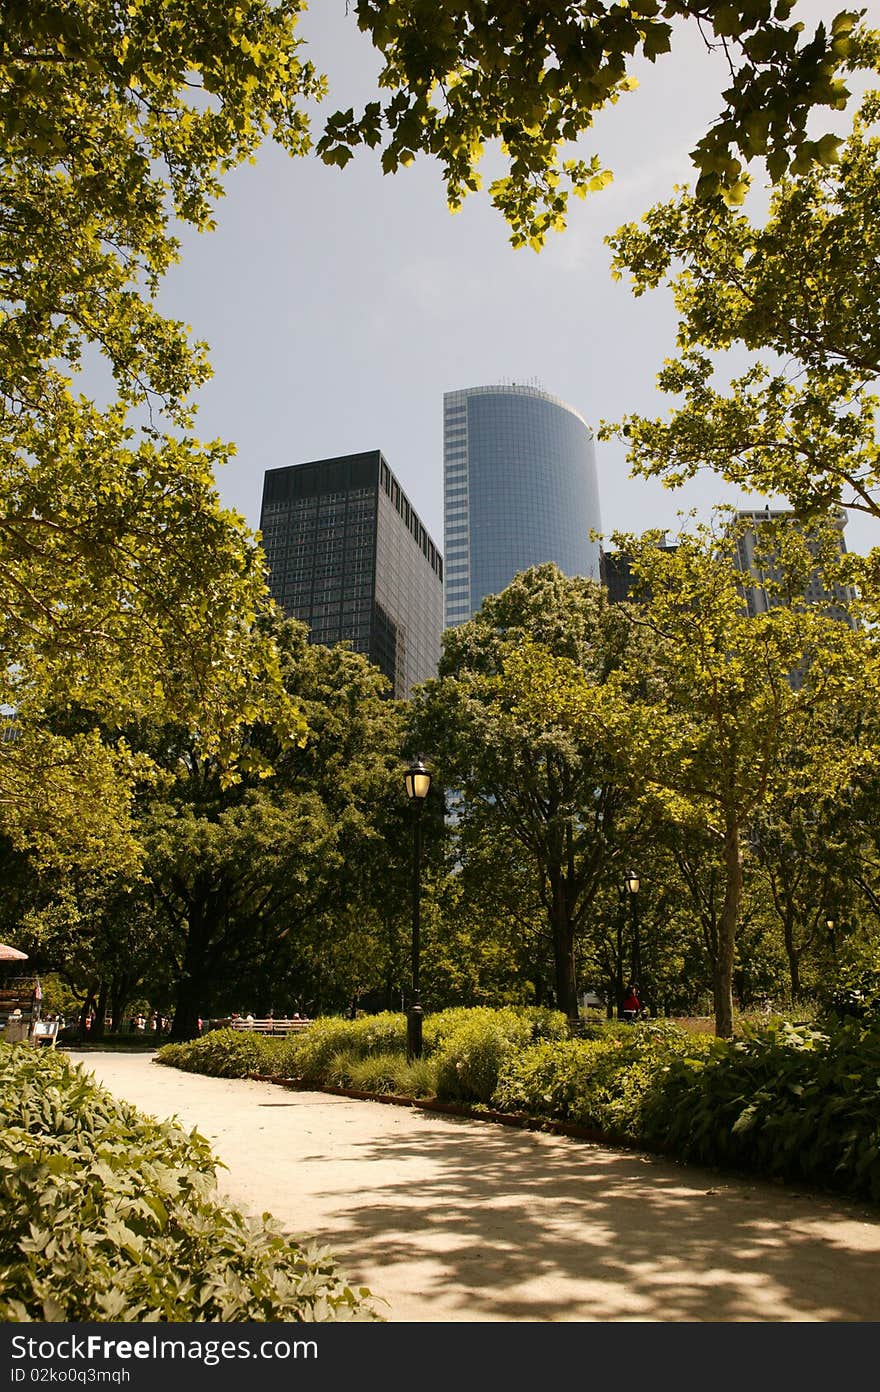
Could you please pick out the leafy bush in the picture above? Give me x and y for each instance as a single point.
(110, 1215)
(855, 993)
(473, 1045)
(602, 1083)
(787, 1100)
(390, 1073)
(223, 1053)
(325, 1038)
(531, 1022)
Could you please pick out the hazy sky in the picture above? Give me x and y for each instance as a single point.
(339, 305)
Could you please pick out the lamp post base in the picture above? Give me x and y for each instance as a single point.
(414, 1033)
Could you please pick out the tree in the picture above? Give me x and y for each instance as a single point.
(122, 580)
(804, 287)
(717, 744)
(533, 76)
(274, 884)
(495, 945)
(550, 794)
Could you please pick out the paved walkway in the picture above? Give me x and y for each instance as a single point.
(448, 1219)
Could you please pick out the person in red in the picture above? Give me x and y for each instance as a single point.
(631, 1006)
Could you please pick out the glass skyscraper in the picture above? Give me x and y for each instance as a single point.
(349, 556)
(520, 488)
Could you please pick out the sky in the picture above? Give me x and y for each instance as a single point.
(339, 305)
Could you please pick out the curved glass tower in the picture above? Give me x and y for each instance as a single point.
(520, 488)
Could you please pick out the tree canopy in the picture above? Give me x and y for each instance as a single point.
(123, 583)
(707, 740)
(549, 792)
(533, 75)
(801, 290)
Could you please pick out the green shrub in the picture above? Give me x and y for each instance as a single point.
(787, 1100)
(222, 1053)
(327, 1037)
(112, 1216)
(285, 1055)
(530, 1022)
(854, 993)
(602, 1083)
(390, 1073)
(471, 1046)
(549, 1078)
(337, 1069)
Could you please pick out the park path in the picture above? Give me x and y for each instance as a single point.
(448, 1219)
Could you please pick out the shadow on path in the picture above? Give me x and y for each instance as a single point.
(454, 1219)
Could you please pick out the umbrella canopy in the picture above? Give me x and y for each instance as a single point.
(11, 954)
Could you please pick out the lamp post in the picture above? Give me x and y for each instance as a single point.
(831, 925)
(632, 885)
(417, 781)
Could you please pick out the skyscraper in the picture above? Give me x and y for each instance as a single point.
(348, 555)
(520, 489)
(615, 569)
(755, 558)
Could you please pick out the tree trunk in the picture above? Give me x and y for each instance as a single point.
(186, 1010)
(100, 1012)
(562, 932)
(727, 926)
(794, 958)
(118, 1004)
(190, 987)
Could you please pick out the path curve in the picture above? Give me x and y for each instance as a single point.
(448, 1219)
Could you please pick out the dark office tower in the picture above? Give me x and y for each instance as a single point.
(520, 489)
(615, 571)
(348, 555)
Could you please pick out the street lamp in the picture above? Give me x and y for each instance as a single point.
(631, 880)
(831, 925)
(417, 781)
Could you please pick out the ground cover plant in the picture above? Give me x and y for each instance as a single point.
(111, 1215)
(787, 1100)
(784, 1099)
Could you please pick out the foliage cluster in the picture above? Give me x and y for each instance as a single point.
(222, 1053)
(602, 1083)
(463, 75)
(126, 588)
(110, 1215)
(855, 993)
(788, 1101)
(313, 1051)
(472, 1046)
(463, 1046)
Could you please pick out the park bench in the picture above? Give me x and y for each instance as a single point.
(279, 1025)
(17, 994)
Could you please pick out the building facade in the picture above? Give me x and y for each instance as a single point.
(615, 571)
(752, 557)
(520, 488)
(349, 556)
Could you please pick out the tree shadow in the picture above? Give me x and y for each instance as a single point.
(547, 1228)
